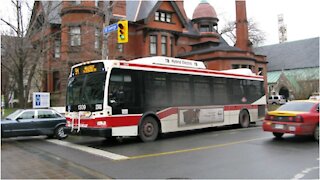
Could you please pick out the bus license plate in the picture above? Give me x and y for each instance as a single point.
(279, 126)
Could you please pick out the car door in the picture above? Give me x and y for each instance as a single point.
(46, 122)
(24, 124)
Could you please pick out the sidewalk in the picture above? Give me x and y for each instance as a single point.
(17, 163)
(24, 158)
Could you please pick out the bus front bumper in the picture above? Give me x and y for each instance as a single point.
(106, 132)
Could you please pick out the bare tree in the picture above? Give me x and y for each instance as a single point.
(256, 36)
(17, 62)
(24, 53)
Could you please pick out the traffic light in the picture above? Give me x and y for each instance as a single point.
(123, 31)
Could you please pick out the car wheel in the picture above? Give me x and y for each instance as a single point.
(148, 129)
(278, 135)
(316, 133)
(59, 133)
(244, 119)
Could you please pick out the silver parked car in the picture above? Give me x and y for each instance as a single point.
(277, 99)
(33, 122)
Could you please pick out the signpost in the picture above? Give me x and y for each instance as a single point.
(41, 100)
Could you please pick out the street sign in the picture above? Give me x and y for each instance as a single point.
(41, 100)
(110, 28)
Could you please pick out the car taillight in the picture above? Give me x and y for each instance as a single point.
(298, 119)
(268, 117)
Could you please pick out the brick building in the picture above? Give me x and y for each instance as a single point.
(155, 28)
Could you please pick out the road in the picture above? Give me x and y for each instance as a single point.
(213, 153)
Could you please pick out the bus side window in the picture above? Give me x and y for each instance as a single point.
(121, 88)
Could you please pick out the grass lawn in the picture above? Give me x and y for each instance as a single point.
(7, 112)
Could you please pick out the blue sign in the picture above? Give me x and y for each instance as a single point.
(41, 100)
(110, 28)
(38, 100)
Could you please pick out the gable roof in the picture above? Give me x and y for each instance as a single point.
(142, 10)
(291, 55)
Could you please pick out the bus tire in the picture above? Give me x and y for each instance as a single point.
(148, 129)
(244, 119)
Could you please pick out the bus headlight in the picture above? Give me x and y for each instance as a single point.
(101, 123)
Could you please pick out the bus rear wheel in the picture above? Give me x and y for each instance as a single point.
(244, 119)
(148, 129)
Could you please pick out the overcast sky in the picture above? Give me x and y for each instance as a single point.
(301, 17)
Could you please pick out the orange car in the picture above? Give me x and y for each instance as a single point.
(295, 117)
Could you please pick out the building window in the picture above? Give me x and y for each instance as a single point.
(153, 45)
(156, 16)
(120, 47)
(97, 38)
(260, 71)
(57, 46)
(96, 3)
(75, 36)
(77, 2)
(204, 28)
(163, 17)
(235, 66)
(163, 45)
(171, 46)
(56, 81)
(168, 18)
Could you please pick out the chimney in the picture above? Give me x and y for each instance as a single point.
(242, 41)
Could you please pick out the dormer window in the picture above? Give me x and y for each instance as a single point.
(163, 16)
(77, 2)
(204, 28)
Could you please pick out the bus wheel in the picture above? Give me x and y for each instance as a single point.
(148, 129)
(244, 119)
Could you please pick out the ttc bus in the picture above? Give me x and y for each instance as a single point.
(149, 96)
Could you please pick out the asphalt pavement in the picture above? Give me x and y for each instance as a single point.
(222, 153)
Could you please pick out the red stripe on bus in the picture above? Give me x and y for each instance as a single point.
(167, 113)
(188, 70)
(239, 107)
(112, 121)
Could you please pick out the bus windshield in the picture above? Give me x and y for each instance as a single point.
(86, 89)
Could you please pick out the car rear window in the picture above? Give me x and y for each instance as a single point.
(47, 114)
(296, 106)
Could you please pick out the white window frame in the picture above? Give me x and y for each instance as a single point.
(75, 36)
(97, 38)
(57, 50)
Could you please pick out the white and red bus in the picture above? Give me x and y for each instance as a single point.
(153, 95)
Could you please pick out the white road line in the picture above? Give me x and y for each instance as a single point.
(304, 172)
(90, 150)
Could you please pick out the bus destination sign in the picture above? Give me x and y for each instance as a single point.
(88, 68)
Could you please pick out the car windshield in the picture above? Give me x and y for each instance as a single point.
(296, 106)
(86, 89)
(13, 115)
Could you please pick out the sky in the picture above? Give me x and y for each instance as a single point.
(301, 17)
